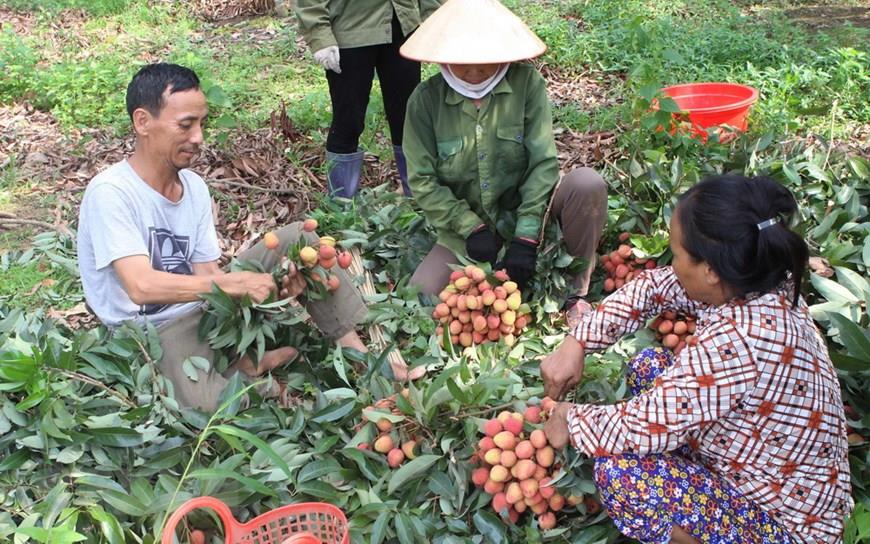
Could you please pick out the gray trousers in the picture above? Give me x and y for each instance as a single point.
(336, 315)
(580, 204)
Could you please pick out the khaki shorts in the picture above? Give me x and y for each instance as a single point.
(336, 315)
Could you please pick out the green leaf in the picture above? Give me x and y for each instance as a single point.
(119, 437)
(70, 454)
(404, 529)
(54, 503)
(413, 469)
(217, 97)
(816, 172)
(649, 91)
(375, 414)
(12, 462)
(220, 474)
(673, 56)
(490, 526)
(189, 370)
(856, 340)
(338, 365)
(200, 362)
(259, 443)
(232, 390)
(225, 121)
(55, 535)
(109, 525)
(440, 484)
(362, 461)
(457, 393)
(124, 503)
(318, 469)
(791, 173)
(860, 167)
(379, 528)
(100, 482)
(832, 290)
(321, 490)
(334, 411)
(849, 364)
(669, 105)
(853, 281)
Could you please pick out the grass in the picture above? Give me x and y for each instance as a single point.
(651, 40)
(52, 7)
(799, 73)
(38, 284)
(18, 281)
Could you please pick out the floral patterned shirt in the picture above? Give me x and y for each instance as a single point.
(757, 400)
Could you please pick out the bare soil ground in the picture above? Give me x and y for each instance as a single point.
(825, 16)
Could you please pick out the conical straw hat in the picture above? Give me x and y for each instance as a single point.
(472, 32)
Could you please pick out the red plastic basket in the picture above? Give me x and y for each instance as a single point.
(713, 105)
(303, 523)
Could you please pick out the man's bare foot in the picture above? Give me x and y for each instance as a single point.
(271, 359)
(352, 340)
(400, 371)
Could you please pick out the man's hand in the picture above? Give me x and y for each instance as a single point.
(292, 283)
(257, 285)
(562, 369)
(329, 58)
(556, 427)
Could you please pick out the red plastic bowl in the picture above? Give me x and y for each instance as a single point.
(714, 104)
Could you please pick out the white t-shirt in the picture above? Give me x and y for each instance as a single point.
(120, 216)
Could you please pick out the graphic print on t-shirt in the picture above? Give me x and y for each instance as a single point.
(169, 253)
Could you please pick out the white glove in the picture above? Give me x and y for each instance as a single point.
(329, 58)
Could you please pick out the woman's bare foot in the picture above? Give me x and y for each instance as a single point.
(679, 536)
(575, 311)
(271, 359)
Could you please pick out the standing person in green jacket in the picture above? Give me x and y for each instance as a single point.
(351, 40)
(481, 154)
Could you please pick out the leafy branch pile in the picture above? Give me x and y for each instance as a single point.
(95, 447)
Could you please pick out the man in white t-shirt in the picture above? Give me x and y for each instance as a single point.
(147, 246)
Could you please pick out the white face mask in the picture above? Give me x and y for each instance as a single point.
(473, 90)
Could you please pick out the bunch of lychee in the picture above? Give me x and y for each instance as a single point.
(622, 266)
(517, 467)
(315, 262)
(476, 308)
(675, 330)
(388, 441)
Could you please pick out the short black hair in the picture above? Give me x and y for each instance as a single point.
(723, 222)
(151, 81)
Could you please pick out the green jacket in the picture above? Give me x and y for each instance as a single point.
(496, 165)
(357, 23)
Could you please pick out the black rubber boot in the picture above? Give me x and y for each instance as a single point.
(402, 167)
(343, 173)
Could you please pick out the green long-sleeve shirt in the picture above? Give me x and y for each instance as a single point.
(357, 23)
(494, 165)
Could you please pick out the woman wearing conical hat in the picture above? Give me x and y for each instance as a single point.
(480, 149)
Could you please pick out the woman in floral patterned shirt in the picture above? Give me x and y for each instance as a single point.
(741, 438)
